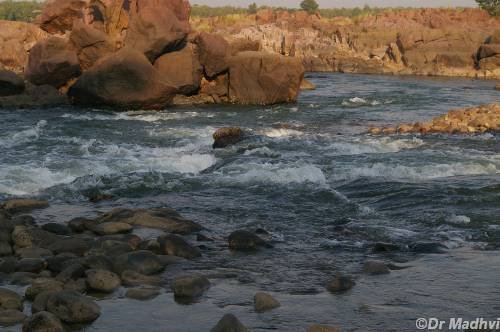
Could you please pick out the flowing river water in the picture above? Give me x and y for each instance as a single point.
(324, 190)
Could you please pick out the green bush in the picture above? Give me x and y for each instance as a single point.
(20, 10)
(491, 6)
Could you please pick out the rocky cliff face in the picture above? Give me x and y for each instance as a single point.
(448, 42)
(142, 54)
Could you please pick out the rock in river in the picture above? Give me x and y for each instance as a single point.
(43, 322)
(376, 267)
(72, 307)
(10, 83)
(340, 284)
(24, 205)
(175, 245)
(102, 280)
(245, 241)
(10, 299)
(142, 261)
(264, 302)
(229, 323)
(11, 317)
(190, 286)
(142, 294)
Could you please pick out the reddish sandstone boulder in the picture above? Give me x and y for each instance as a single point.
(214, 51)
(488, 50)
(264, 78)
(58, 15)
(125, 79)
(242, 45)
(155, 31)
(182, 69)
(52, 61)
(90, 44)
(180, 8)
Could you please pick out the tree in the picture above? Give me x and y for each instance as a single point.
(252, 9)
(491, 6)
(310, 6)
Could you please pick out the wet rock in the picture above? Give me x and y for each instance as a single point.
(102, 280)
(34, 265)
(497, 87)
(155, 31)
(56, 228)
(43, 285)
(98, 263)
(245, 241)
(35, 96)
(110, 248)
(33, 252)
(32, 237)
(72, 307)
(100, 198)
(125, 80)
(57, 263)
(182, 69)
(91, 44)
(228, 136)
(24, 205)
(71, 272)
(385, 247)
(265, 302)
(70, 245)
(132, 278)
(131, 239)
(10, 83)
(8, 265)
(11, 317)
(141, 261)
(261, 78)
(214, 51)
(77, 225)
(203, 238)
(162, 218)
(175, 245)
(427, 248)
(340, 284)
(43, 322)
(142, 294)
(189, 287)
(22, 278)
(376, 267)
(151, 245)
(40, 302)
(10, 300)
(307, 85)
(109, 228)
(23, 220)
(322, 328)
(52, 61)
(229, 323)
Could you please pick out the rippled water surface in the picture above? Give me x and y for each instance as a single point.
(324, 190)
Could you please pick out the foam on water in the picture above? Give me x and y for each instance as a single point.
(358, 101)
(282, 132)
(138, 116)
(373, 145)
(458, 220)
(25, 136)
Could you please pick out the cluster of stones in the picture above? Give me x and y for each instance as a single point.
(143, 54)
(473, 120)
(63, 265)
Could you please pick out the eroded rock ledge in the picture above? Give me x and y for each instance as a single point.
(481, 119)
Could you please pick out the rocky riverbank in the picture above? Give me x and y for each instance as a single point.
(434, 42)
(472, 120)
(137, 55)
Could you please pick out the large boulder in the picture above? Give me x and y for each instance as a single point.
(91, 44)
(214, 51)
(125, 79)
(175, 245)
(72, 307)
(16, 39)
(182, 69)
(10, 83)
(102, 280)
(58, 16)
(43, 322)
(261, 78)
(143, 262)
(52, 61)
(155, 31)
(488, 50)
(180, 8)
(35, 96)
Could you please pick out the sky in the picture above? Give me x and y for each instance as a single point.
(343, 3)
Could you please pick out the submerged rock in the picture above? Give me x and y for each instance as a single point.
(340, 284)
(142, 294)
(133, 278)
(322, 328)
(307, 85)
(246, 241)
(32, 237)
(264, 302)
(56, 228)
(72, 307)
(24, 205)
(229, 323)
(190, 287)
(43, 322)
(143, 262)
(11, 317)
(110, 228)
(376, 267)
(228, 136)
(175, 245)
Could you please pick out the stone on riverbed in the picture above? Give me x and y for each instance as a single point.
(24, 205)
(102, 280)
(10, 300)
(33, 252)
(11, 317)
(56, 228)
(32, 237)
(340, 284)
(34, 265)
(264, 302)
(40, 285)
(322, 328)
(132, 278)
(43, 322)
(142, 294)
(40, 302)
(175, 245)
(376, 267)
(72, 245)
(162, 218)
(245, 241)
(229, 323)
(141, 261)
(72, 307)
(228, 136)
(190, 287)
(110, 228)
